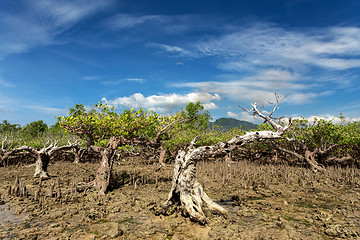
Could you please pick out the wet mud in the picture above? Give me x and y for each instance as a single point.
(263, 202)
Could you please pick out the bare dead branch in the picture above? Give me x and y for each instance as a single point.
(278, 100)
(187, 191)
(343, 159)
(2, 144)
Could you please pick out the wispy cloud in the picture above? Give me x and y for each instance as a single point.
(155, 24)
(334, 48)
(36, 23)
(173, 49)
(53, 111)
(127, 21)
(258, 88)
(165, 103)
(7, 104)
(92, 78)
(121, 81)
(5, 83)
(264, 58)
(245, 116)
(138, 80)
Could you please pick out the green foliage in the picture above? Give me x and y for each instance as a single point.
(35, 135)
(5, 126)
(79, 109)
(35, 128)
(205, 138)
(99, 123)
(197, 117)
(194, 123)
(317, 134)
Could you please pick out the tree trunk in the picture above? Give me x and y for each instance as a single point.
(162, 156)
(90, 141)
(187, 192)
(310, 159)
(103, 175)
(76, 157)
(41, 165)
(228, 158)
(78, 153)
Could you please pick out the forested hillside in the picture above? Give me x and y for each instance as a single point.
(226, 124)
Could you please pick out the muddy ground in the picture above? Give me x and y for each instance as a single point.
(263, 201)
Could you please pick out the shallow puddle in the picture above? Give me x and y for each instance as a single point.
(9, 218)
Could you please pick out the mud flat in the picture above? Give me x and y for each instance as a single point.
(263, 201)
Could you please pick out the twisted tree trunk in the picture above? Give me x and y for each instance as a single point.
(103, 175)
(41, 165)
(186, 190)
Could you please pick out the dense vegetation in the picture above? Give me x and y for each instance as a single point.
(319, 141)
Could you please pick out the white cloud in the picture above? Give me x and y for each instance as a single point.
(36, 23)
(209, 106)
(138, 80)
(264, 45)
(121, 81)
(155, 24)
(233, 115)
(166, 102)
(335, 48)
(259, 88)
(303, 98)
(268, 59)
(338, 64)
(333, 119)
(173, 49)
(245, 116)
(126, 21)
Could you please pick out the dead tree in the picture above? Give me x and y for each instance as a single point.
(43, 156)
(4, 153)
(186, 190)
(312, 157)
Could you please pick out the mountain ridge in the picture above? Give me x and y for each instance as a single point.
(227, 124)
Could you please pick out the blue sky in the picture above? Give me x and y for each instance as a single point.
(161, 55)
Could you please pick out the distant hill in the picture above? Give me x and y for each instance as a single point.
(229, 123)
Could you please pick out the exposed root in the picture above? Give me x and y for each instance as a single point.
(187, 192)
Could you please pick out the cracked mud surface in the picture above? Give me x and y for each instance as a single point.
(263, 201)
